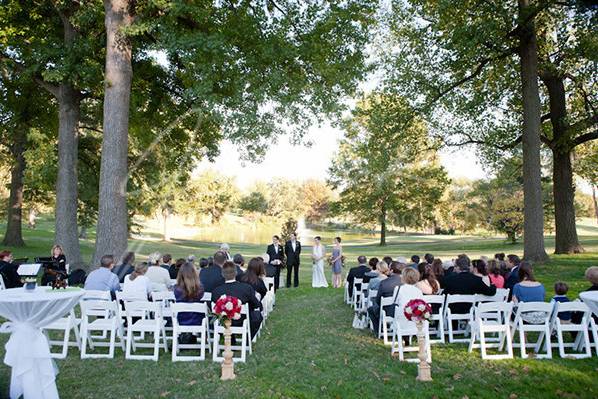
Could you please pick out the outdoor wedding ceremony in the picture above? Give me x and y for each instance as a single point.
(298, 199)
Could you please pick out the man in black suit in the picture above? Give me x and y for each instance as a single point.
(465, 283)
(211, 276)
(244, 292)
(357, 272)
(385, 289)
(292, 249)
(513, 278)
(276, 253)
(239, 262)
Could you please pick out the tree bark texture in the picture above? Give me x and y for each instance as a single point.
(13, 236)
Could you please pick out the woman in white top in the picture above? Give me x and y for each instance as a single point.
(137, 286)
(407, 292)
(317, 255)
(159, 276)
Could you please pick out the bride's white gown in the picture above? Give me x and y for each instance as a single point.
(318, 279)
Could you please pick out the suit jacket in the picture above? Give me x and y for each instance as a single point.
(211, 277)
(356, 272)
(293, 256)
(10, 275)
(387, 286)
(275, 255)
(466, 283)
(243, 291)
(512, 278)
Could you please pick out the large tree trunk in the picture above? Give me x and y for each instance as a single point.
(562, 173)
(533, 240)
(67, 234)
(112, 218)
(14, 236)
(383, 226)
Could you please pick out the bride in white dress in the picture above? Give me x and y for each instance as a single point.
(317, 255)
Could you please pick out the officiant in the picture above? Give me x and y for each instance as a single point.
(276, 253)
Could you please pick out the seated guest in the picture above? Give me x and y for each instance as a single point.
(591, 275)
(125, 267)
(414, 261)
(203, 263)
(102, 279)
(8, 271)
(528, 289)
(188, 289)
(386, 289)
(243, 291)
(191, 259)
(560, 291)
(372, 273)
(427, 284)
(438, 271)
(382, 272)
(387, 259)
(496, 278)
(500, 256)
(253, 276)
(429, 259)
(174, 268)
(56, 267)
(357, 272)
(512, 262)
(137, 286)
(239, 262)
(166, 259)
(465, 283)
(408, 291)
(159, 276)
(449, 267)
(480, 270)
(211, 276)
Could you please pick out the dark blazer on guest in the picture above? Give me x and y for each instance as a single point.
(293, 257)
(356, 272)
(9, 275)
(246, 294)
(122, 270)
(466, 283)
(211, 277)
(512, 278)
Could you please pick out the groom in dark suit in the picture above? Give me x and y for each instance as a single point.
(292, 249)
(276, 253)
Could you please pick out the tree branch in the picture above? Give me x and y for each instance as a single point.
(53, 89)
(584, 138)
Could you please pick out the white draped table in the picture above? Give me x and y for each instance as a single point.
(590, 298)
(27, 350)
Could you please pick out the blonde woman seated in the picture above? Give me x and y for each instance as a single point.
(407, 292)
(137, 286)
(382, 270)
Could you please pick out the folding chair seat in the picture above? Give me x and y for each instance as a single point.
(100, 315)
(542, 312)
(242, 331)
(149, 320)
(492, 318)
(459, 318)
(437, 304)
(64, 325)
(405, 328)
(582, 340)
(201, 331)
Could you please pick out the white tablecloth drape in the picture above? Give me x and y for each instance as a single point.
(590, 298)
(27, 350)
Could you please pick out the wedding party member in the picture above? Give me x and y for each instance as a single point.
(386, 289)
(56, 266)
(318, 253)
(125, 267)
(276, 253)
(159, 276)
(357, 272)
(188, 289)
(253, 276)
(211, 276)
(292, 250)
(337, 263)
(427, 283)
(244, 292)
(137, 286)
(102, 279)
(239, 262)
(8, 271)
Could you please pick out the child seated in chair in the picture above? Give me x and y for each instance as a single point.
(560, 290)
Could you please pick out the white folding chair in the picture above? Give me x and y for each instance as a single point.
(2, 286)
(492, 318)
(165, 298)
(437, 315)
(100, 315)
(405, 328)
(543, 328)
(243, 331)
(269, 281)
(346, 297)
(502, 294)
(149, 320)
(594, 329)
(200, 330)
(96, 295)
(385, 326)
(459, 318)
(357, 292)
(582, 341)
(65, 325)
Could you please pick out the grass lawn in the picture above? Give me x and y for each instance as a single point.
(309, 348)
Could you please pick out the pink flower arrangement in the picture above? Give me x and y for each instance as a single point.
(228, 307)
(418, 310)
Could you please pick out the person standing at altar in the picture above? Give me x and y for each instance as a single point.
(276, 253)
(292, 249)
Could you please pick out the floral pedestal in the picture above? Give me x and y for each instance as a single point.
(424, 372)
(228, 366)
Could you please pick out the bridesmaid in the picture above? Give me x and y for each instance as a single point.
(337, 263)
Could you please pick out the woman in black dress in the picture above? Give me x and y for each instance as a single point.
(253, 276)
(56, 267)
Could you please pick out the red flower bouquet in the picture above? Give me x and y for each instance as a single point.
(228, 307)
(418, 310)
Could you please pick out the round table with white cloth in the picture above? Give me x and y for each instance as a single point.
(590, 298)
(27, 350)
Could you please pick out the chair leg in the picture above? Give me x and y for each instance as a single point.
(83, 341)
(586, 340)
(522, 343)
(112, 342)
(157, 336)
(509, 342)
(483, 343)
(175, 343)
